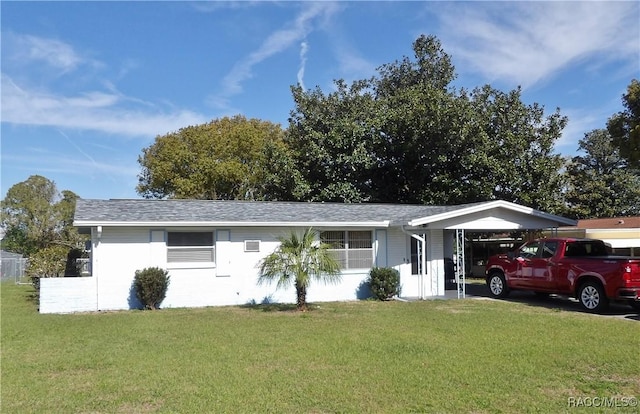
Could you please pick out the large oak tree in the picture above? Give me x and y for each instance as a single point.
(407, 135)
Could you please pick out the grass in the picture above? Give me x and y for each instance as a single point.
(457, 356)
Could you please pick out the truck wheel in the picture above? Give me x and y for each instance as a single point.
(497, 285)
(592, 297)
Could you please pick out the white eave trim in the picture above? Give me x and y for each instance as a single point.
(489, 205)
(376, 224)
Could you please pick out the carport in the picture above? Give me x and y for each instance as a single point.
(442, 236)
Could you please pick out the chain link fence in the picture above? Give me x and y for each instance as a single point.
(13, 267)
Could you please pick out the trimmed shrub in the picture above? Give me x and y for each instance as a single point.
(151, 285)
(384, 282)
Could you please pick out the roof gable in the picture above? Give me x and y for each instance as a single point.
(497, 214)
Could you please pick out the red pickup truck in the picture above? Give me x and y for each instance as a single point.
(582, 268)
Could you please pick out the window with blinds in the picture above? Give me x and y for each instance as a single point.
(190, 247)
(352, 249)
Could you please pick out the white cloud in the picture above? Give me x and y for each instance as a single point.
(352, 65)
(528, 42)
(49, 162)
(304, 47)
(275, 43)
(214, 6)
(108, 112)
(27, 49)
(584, 120)
(102, 108)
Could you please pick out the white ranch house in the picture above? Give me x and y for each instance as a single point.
(212, 248)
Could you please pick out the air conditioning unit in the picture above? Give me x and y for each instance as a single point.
(252, 245)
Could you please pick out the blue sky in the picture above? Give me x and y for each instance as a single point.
(87, 85)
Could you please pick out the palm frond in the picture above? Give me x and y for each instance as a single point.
(299, 258)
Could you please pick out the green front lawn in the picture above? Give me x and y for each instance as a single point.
(453, 356)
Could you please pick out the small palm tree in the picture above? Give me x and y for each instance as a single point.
(298, 259)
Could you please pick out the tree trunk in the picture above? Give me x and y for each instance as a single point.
(301, 292)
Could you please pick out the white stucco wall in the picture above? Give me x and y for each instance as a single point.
(232, 280)
(68, 294)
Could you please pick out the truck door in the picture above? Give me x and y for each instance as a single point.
(543, 267)
(525, 264)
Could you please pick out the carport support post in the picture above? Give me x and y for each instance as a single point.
(460, 269)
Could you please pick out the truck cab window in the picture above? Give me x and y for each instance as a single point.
(549, 249)
(529, 251)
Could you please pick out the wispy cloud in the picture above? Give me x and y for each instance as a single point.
(304, 47)
(80, 150)
(27, 50)
(352, 65)
(582, 121)
(215, 6)
(528, 42)
(276, 42)
(100, 107)
(47, 161)
(103, 111)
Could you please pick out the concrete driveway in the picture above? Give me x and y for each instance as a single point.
(479, 290)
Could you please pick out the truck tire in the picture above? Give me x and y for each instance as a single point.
(635, 304)
(497, 285)
(592, 297)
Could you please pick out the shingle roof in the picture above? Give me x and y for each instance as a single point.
(610, 223)
(103, 212)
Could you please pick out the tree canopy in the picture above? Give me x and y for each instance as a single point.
(227, 158)
(406, 135)
(35, 215)
(599, 183)
(37, 220)
(624, 127)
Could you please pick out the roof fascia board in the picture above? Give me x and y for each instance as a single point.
(385, 223)
(609, 230)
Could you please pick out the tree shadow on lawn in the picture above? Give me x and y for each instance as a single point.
(32, 295)
(274, 307)
(554, 302)
(268, 305)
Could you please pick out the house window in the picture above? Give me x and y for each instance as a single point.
(190, 246)
(352, 249)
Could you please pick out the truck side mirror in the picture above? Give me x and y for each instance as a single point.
(511, 255)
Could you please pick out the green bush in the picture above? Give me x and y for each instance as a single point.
(151, 285)
(384, 282)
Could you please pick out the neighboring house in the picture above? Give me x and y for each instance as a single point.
(621, 233)
(212, 248)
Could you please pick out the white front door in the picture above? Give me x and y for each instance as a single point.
(418, 259)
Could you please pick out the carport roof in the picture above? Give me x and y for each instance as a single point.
(142, 212)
